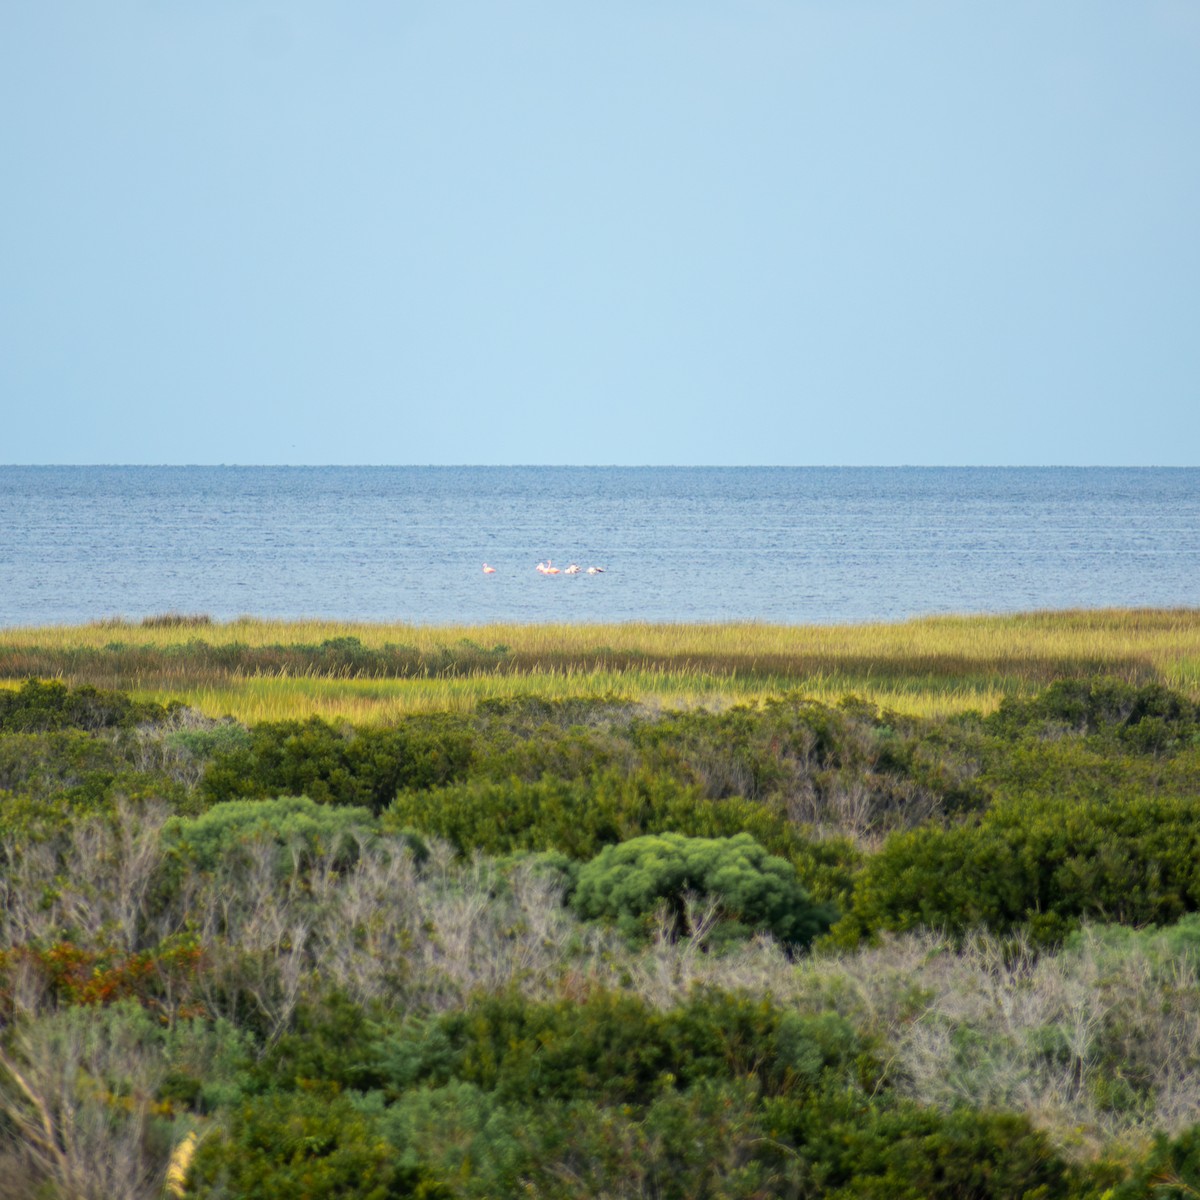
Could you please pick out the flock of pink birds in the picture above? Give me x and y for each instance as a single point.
(548, 568)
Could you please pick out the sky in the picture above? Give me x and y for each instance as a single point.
(631, 232)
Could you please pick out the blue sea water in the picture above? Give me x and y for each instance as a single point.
(677, 544)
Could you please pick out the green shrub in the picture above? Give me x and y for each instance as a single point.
(1170, 1171)
(703, 1143)
(49, 780)
(614, 1048)
(365, 767)
(38, 706)
(207, 1065)
(579, 817)
(1165, 944)
(295, 824)
(1045, 865)
(1149, 719)
(331, 1040)
(305, 1145)
(755, 890)
(460, 1140)
(896, 1150)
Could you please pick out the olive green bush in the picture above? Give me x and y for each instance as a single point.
(295, 824)
(1042, 864)
(1149, 719)
(364, 767)
(303, 1145)
(39, 706)
(755, 890)
(580, 817)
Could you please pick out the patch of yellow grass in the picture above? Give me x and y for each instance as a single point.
(1073, 632)
(929, 666)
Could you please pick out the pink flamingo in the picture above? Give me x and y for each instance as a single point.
(573, 569)
(488, 570)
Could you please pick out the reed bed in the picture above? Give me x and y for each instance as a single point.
(368, 701)
(257, 670)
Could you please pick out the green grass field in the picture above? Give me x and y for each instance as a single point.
(263, 670)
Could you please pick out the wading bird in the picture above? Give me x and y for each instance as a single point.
(595, 570)
(488, 570)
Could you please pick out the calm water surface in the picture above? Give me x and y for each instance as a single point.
(677, 544)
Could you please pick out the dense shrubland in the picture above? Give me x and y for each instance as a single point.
(565, 948)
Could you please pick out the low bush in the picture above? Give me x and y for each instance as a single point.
(1042, 864)
(1150, 719)
(302, 1145)
(364, 767)
(754, 890)
(38, 706)
(580, 817)
(296, 825)
(613, 1048)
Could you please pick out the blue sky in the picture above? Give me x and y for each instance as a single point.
(662, 231)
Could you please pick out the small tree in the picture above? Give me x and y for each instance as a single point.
(755, 890)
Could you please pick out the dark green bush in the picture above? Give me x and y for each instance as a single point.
(614, 1048)
(891, 1149)
(705, 1142)
(1042, 864)
(755, 890)
(1170, 1171)
(1149, 719)
(576, 816)
(331, 1040)
(305, 1145)
(49, 780)
(42, 764)
(580, 817)
(38, 706)
(364, 767)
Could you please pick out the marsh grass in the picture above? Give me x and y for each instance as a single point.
(258, 670)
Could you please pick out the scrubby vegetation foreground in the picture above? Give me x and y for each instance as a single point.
(578, 947)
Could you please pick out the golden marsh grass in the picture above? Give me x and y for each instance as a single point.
(928, 666)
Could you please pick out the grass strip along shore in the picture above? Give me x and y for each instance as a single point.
(934, 666)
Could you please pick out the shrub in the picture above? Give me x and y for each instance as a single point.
(1162, 945)
(1149, 719)
(756, 890)
(331, 1040)
(580, 817)
(897, 1150)
(294, 823)
(38, 706)
(577, 817)
(304, 1145)
(311, 758)
(1044, 864)
(1170, 1171)
(614, 1048)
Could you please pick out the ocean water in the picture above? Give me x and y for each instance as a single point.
(676, 544)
